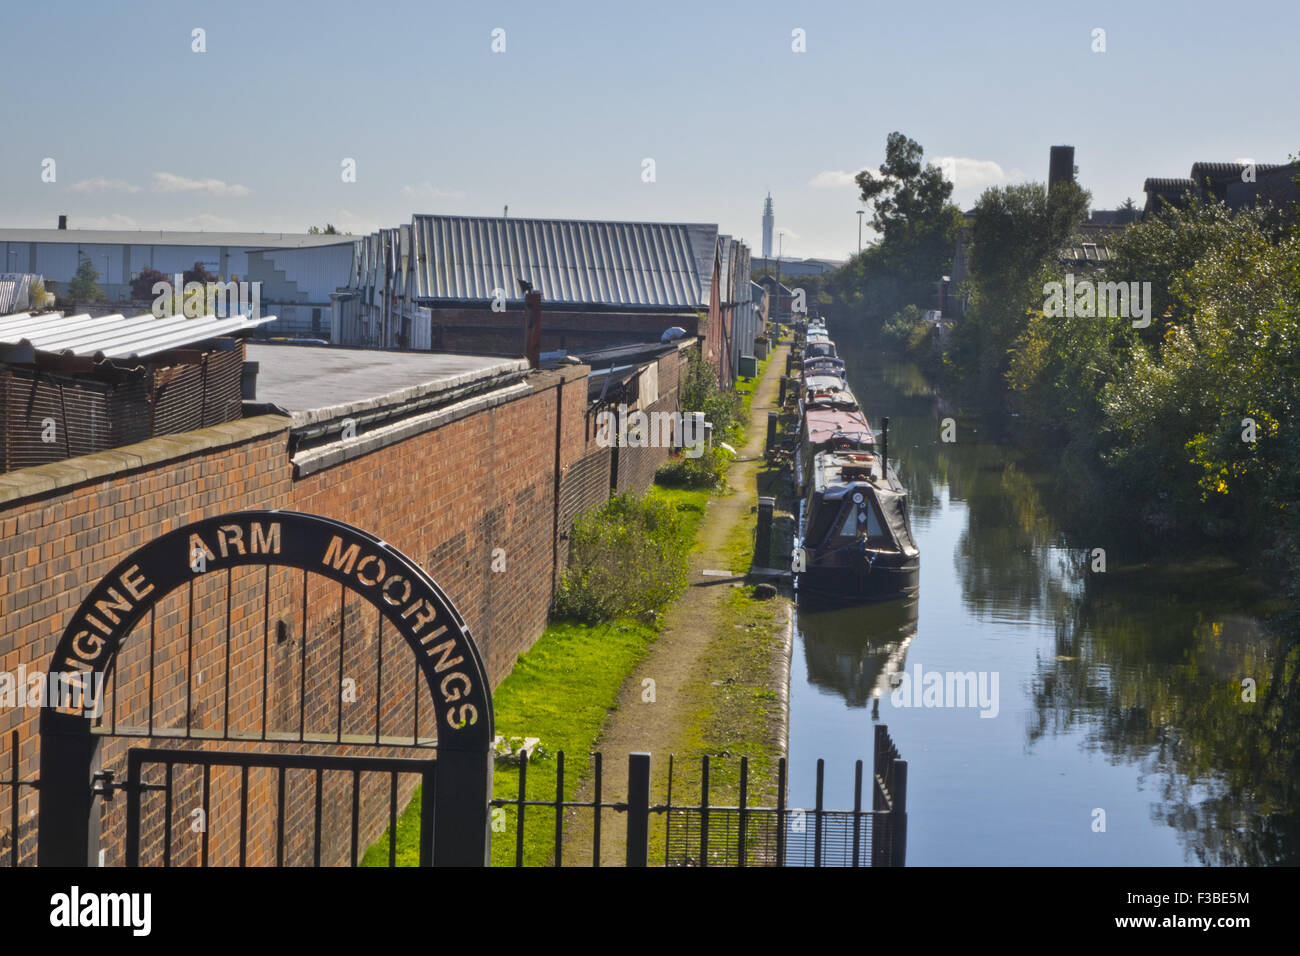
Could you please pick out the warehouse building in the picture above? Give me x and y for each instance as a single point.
(457, 284)
(297, 271)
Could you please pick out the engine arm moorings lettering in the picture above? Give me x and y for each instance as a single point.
(418, 617)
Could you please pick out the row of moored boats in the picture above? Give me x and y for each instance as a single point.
(854, 540)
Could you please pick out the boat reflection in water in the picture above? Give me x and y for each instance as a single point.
(855, 655)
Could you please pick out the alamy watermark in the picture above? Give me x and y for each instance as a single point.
(1088, 299)
(947, 689)
(623, 429)
(196, 299)
(72, 690)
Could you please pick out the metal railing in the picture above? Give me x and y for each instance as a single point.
(696, 833)
(12, 782)
(704, 833)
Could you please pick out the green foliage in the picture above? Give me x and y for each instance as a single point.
(626, 558)
(1191, 423)
(560, 692)
(917, 226)
(908, 331)
(709, 470)
(1230, 351)
(1016, 234)
(84, 285)
(701, 393)
(911, 212)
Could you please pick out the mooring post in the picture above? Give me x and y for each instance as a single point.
(638, 809)
(898, 855)
(763, 533)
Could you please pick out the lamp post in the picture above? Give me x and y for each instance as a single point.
(780, 247)
(860, 212)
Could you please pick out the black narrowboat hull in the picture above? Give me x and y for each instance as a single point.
(856, 581)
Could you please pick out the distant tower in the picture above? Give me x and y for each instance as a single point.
(768, 221)
(1061, 166)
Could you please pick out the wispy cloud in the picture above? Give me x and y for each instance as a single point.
(832, 179)
(171, 183)
(966, 173)
(427, 190)
(204, 221)
(98, 184)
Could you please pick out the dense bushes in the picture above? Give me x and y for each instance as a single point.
(627, 557)
(908, 331)
(706, 471)
(700, 392)
(1189, 425)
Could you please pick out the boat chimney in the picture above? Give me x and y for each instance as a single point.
(884, 447)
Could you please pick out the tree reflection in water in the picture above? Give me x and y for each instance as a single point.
(1145, 662)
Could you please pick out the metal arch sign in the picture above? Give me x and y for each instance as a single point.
(406, 596)
(394, 584)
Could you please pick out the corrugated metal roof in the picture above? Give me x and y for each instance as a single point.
(165, 237)
(572, 262)
(1223, 171)
(1164, 185)
(115, 336)
(14, 291)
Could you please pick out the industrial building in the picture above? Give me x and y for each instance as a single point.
(457, 284)
(79, 384)
(297, 271)
(441, 283)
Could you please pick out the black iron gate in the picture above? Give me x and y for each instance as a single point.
(280, 669)
(139, 787)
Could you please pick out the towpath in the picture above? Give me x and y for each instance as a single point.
(704, 649)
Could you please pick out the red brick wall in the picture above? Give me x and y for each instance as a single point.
(446, 498)
(502, 333)
(55, 547)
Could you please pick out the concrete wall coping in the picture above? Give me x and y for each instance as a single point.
(335, 453)
(43, 479)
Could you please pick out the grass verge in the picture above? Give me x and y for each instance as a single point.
(560, 691)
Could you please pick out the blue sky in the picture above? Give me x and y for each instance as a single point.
(251, 134)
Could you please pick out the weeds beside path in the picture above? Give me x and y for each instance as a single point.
(714, 667)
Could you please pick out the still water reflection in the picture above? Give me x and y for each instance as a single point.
(1117, 692)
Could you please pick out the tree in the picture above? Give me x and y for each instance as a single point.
(329, 230)
(1130, 211)
(142, 285)
(84, 285)
(198, 274)
(1016, 234)
(912, 211)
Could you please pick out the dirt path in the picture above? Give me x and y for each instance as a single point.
(692, 624)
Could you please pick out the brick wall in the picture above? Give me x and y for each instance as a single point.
(636, 466)
(502, 333)
(448, 498)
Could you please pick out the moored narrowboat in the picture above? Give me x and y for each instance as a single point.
(828, 429)
(855, 540)
(826, 391)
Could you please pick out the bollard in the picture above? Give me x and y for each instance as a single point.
(763, 534)
(638, 809)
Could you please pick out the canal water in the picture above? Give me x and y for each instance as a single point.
(1118, 695)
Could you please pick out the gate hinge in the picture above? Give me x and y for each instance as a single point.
(103, 784)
